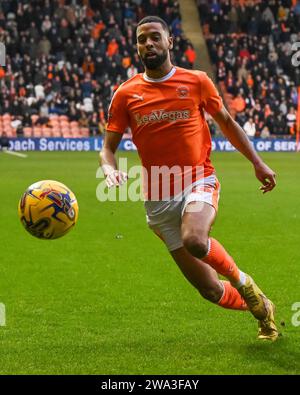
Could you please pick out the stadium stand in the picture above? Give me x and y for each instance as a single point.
(250, 46)
(66, 58)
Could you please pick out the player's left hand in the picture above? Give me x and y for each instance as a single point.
(266, 176)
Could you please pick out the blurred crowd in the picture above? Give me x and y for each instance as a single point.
(250, 45)
(68, 57)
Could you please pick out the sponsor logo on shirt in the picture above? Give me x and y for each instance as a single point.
(161, 115)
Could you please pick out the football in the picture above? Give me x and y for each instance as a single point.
(48, 209)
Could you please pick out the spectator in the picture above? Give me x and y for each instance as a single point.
(291, 120)
(112, 48)
(250, 128)
(221, 75)
(279, 126)
(4, 141)
(265, 133)
(238, 103)
(94, 125)
(83, 120)
(131, 71)
(190, 55)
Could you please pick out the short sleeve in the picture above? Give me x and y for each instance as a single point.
(118, 119)
(211, 101)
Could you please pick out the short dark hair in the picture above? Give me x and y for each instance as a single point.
(154, 18)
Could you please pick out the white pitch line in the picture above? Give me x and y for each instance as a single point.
(15, 153)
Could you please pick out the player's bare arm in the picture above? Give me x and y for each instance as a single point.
(240, 141)
(114, 177)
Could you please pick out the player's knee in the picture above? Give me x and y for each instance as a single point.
(212, 293)
(196, 245)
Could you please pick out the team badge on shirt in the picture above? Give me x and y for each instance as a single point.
(182, 91)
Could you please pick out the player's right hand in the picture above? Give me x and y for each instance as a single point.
(116, 178)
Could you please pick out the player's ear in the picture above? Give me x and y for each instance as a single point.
(170, 39)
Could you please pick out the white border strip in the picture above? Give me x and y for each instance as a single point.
(15, 154)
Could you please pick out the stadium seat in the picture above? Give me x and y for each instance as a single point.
(9, 133)
(7, 127)
(56, 133)
(37, 132)
(54, 123)
(6, 117)
(76, 132)
(85, 132)
(27, 132)
(46, 132)
(66, 133)
(64, 124)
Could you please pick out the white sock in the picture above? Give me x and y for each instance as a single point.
(242, 280)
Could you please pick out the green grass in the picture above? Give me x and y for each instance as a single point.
(91, 303)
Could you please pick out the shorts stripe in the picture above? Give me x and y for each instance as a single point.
(207, 192)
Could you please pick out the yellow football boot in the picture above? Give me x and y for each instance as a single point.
(266, 328)
(254, 297)
(261, 307)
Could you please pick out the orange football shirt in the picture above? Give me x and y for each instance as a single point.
(167, 120)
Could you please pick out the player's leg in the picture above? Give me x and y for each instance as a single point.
(164, 218)
(197, 219)
(205, 279)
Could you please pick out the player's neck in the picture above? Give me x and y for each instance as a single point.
(160, 72)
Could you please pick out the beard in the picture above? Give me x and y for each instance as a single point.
(155, 62)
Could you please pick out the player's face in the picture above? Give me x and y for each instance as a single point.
(153, 44)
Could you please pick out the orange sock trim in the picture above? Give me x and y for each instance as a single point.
(222, 262)
(231, 299)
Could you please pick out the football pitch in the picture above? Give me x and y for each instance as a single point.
(107, 298)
